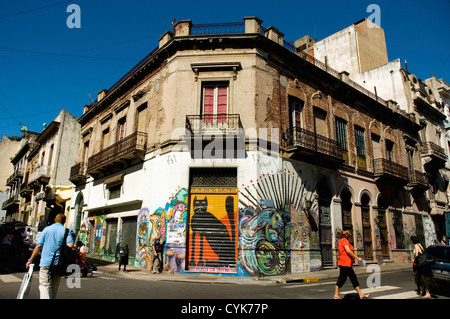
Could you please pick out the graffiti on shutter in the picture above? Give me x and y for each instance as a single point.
(212, 230)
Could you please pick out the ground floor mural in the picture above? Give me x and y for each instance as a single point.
(286, 218)
(170, 222)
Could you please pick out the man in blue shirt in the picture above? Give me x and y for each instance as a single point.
(49, 241)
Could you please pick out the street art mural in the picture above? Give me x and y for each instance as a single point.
(429, 231)
(99, 235)
(170, 223)
(175, 213)
(262, 241)
(212, 231)
(278, 234)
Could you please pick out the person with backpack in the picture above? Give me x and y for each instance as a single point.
(48, 244)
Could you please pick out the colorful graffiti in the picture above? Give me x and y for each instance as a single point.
(170, 223)
(99, 235)
(262, 241)
(278, 234)
(212, 231)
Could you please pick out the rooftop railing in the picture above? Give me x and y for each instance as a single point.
(218, 28)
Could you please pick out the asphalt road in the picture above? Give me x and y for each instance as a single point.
(106, 293)
(393, 285)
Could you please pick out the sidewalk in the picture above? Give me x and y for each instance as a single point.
(330, 274)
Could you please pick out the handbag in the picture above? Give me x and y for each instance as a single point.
(423, 258)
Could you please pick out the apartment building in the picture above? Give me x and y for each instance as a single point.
(362, 54)
(18, 160)
(46, 189)
(248, 156)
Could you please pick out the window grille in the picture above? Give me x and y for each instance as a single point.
(341, 134)
(359, 140)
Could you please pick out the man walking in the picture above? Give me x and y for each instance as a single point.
(49, 242)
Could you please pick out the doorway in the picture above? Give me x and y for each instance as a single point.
(367, 228)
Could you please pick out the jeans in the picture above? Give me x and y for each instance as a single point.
(48, 284)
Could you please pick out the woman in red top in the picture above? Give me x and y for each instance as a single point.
(345, 263)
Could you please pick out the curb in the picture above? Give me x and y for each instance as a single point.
(135, 272)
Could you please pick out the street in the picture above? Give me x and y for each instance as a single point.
(394, 285)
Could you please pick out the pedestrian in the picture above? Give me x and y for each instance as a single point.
(48, 243)
(157, 249)
(423, 275)
(345, 263)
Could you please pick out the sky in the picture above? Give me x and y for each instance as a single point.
(47, 66)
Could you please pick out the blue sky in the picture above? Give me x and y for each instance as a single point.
(46, 66)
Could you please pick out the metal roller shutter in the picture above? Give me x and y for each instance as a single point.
(212, 222)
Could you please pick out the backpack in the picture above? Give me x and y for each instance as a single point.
(67, 256)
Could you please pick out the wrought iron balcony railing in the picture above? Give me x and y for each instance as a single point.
(314, 142)
(218, 28)
(385, 168)
(213, 124)
(130, 146)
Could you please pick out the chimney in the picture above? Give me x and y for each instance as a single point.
(101, 95)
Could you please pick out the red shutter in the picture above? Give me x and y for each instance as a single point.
(208, 104)
(222, 104)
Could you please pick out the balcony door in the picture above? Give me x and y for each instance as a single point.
(214, 106)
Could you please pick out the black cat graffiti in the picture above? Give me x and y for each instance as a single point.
(209, 228)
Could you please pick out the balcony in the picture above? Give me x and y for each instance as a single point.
(125, 153)
(390, 173)
(418, 181)
(78, 173)
(15, 176)
(225, 131)
(314, 148)
(213, 125)
(13, 200)
(434, 155)
(40, 176)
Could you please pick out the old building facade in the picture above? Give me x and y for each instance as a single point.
(45, 189)
(18, 160)
(363, 47)
(247, 155)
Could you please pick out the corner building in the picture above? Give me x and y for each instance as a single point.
(248, 156)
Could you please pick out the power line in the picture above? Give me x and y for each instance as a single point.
(66, 55)
(26, 115)
(31, 10)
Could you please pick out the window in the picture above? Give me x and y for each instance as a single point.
(376, 146)
(105, 138)
(341, 134)
(141, 118)
(359, 141)
(42, 159)
(320, 124)
(85, 151)
(389, 150)
(215, 102)
(121, 128)
(296, 107)
(50, 157)
(114, 191)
